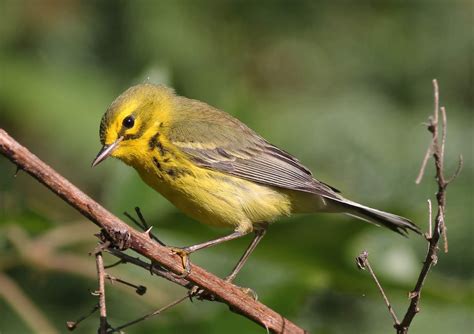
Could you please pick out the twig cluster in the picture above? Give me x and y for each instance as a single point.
(436, 149)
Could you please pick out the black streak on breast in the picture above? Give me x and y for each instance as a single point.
(157, 163)
(153, 141)
(160, 147)
(175, 173)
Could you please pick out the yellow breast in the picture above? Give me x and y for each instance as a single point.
(211, 197)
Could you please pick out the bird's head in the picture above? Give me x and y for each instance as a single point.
(132, 119)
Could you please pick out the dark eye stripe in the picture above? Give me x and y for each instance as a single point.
(136, 135)
(143, 123)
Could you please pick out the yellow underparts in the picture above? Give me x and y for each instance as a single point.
(209, 196)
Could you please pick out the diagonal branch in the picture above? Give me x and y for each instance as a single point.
(363, 263)
(225, 292)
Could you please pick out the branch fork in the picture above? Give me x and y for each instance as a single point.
(436, 150)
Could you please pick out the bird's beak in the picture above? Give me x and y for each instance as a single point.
(105, 151)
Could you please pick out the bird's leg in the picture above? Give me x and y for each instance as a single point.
(259, 234)
(185, 251)
(260, 231)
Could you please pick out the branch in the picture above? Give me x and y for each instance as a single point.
(103, 325)
(433, 236)
(141, 243)
(435, 149)
(363, 263)
(147, 316)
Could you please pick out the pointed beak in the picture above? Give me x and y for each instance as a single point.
(105, 151)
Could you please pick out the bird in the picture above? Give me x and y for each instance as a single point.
(216, 169)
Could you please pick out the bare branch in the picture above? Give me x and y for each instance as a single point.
(430, 221)
(439, 229)
(226, 292)
(436, 149)
(457, 171)
(147, 316)
(72, 325)
(102, 306)
(157, 270)
(432, 127)
(421, 173)
(139, 289)
(444, 128)
(436, 101)
(363, 263)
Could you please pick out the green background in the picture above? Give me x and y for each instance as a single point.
(343, 85)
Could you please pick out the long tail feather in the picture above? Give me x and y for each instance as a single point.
(393, 222)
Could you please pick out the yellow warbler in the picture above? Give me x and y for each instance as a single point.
(215, 169)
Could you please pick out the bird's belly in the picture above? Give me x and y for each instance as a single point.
(219, 199)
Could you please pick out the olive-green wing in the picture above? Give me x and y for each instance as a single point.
(227, 145)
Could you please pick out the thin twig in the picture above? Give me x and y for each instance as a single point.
(157, 270)
(72, 325)
(117, 263)
(432, 120)
(139, 289)
(457, 171)
(103, 326)
(444, 129)
(430, 221)
(363, 263)
(141, 243)
(423, 165)
(147, 316)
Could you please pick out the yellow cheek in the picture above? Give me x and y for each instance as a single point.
(110, 137)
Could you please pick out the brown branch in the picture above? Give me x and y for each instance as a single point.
(431, 121)
(363, 263)
(103, 325)
(439, 229)
(226, 292)
(125, 258)
(435, 149)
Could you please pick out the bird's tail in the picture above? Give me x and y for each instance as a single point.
(395, 223)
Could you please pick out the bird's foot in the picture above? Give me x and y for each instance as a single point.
(249, 292)
(184, 254)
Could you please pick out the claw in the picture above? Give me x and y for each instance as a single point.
(250, 292)
(184, 254)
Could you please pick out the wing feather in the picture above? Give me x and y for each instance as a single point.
(231, 147)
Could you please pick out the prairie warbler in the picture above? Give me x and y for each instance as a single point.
(217, 170)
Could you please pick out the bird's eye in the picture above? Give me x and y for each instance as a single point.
(128, 122)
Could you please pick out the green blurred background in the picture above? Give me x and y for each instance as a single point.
(343, 85)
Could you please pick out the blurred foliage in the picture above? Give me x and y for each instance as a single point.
(343, 85)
